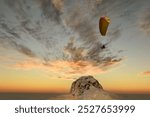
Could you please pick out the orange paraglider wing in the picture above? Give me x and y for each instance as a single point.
(103, 25)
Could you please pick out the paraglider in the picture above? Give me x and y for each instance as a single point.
(103, 47)
(103, 25)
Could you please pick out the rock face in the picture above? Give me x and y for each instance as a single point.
(85, 84)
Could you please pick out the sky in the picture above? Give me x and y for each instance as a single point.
(46, 44)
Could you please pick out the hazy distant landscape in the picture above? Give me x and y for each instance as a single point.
(46, 96)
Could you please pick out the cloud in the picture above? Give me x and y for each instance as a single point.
(11, 38)
(6, 28)
(29, 30)
(146, 73)
(51, 9)
(145, 21)
(59, 4)
(93, 55)
(59, 68)
(63, 68)
(58, 33)
(74, 53)
(84, 24)
(24, 50)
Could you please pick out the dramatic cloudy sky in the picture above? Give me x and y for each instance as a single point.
(46, 44)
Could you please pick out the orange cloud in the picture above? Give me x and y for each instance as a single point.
(67, 69)
(59, 4)
(60, 68)
(147, 73)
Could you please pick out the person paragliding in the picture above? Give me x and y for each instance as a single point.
(103, 25)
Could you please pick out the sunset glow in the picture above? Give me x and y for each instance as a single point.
(46, 44)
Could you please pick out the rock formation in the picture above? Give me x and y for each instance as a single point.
(83, 84)
(87, 87)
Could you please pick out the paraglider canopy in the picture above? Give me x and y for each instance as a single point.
(103, 25)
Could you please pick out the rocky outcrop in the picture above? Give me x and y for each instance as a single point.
(84, 84)
(88, 88)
